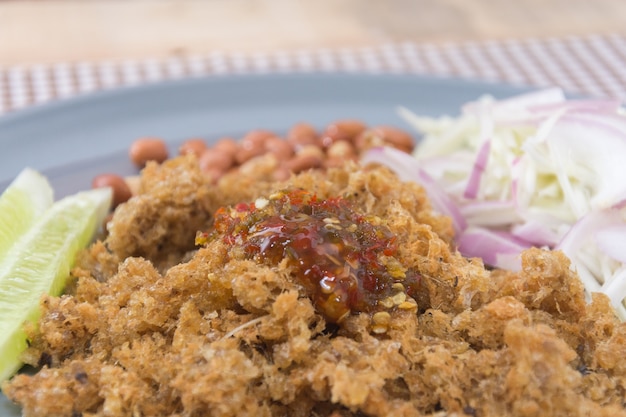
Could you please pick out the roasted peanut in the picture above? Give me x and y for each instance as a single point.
(279, 147)
(395, 137)
(301, 163)
(148, 149)
(311, 150)
(334, 162)
(346, 130)
(228, 145)
(257, 136)
(302, 134)
(213, 158)
(385, 136)
(366, 140)
(262, 166)
(213, 174)
(341, 149)
(249, 148)
(121, 191)
(192, 146)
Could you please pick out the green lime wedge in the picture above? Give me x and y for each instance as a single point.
(39, 263)
(23, 202)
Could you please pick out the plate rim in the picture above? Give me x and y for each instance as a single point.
(119, 92)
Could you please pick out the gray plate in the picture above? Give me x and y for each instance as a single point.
(75, 139)
(72, 141)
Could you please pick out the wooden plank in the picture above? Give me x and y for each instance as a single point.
(56, 30)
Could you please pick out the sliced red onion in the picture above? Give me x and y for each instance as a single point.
(438, 166)
(612, 241)
(575, 106)
(536, 232)
(403, 164)
(441, 201)
(480, 164)
(534, 98)
(620, 205)
(566, 188)
(407, 169)
(509, 261)
(579, 233)
(611, 123)
(497, 249)
(490, 213)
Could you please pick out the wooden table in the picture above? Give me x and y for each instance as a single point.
(45, 31)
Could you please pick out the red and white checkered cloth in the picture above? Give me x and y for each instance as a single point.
(591, 65)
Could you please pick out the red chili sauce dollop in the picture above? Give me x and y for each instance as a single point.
(344, 259)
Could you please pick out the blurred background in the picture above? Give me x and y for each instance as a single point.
(34, 31)
(57, 48)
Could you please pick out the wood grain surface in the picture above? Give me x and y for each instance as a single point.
(40, 31)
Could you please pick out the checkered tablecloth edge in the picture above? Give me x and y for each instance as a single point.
(592, 65)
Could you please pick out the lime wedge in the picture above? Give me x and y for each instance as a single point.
(39, 262)
(21, 204)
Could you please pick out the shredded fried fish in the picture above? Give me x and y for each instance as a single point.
(154, 325)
